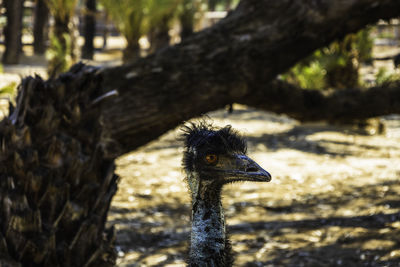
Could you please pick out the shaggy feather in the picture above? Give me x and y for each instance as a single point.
(210, 245)
(214, 157)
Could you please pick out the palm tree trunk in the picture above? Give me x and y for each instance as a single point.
(89, 30)
(187, 19)
(159, 35)
(56, 185)
(64, 34)
(40, 27)
(228, 5)
(212, 5)
(132, 51)
(13, 31)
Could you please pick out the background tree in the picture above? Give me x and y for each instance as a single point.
(135, 18)
(159, 34)
(127, 16)
(229, 4)
(40, 27)
(13, 31)
(89, 29)
(63, 47)
(212, 5)
(161, 15)
(187, 18)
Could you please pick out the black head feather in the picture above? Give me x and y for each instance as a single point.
(216, 139)
(203, 138)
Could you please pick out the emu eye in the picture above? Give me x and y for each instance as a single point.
(211, 158)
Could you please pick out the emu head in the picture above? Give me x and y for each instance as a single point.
(216, 156)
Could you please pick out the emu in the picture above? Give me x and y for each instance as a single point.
(212, 158)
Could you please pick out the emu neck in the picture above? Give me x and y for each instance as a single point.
(208, 239)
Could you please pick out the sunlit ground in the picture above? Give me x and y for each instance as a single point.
(333, 200)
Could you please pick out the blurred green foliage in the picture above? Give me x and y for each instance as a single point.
(221, 5)
(308, 74)
(383, 76)
(62, 9)
(134, 18)
(59, 54)
(9, 89)
(335, 66)
(385, 34)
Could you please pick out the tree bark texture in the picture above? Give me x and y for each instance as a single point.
(13, 31)
(55, 183)
(316, 105)
(40, 27)
(89, 29)
(226, 63)
(59, 143)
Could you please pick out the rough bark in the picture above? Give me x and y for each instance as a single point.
(13, 31)
(40, 27)
(58, 145)
(225, 63)
(89, 29)
(316, 105)
(55, 183)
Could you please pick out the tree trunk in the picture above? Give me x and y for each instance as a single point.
(105, 30)
(56, 184)
(159, 35)
(228, 5)
(59, 143)
(346, 75)
(13, 31)
(131, 52)
(350, 104)
(89, 29)
(64, 36)
(186, 19)
(212, 5)
(40, 27)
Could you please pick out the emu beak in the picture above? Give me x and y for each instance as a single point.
(248, 170)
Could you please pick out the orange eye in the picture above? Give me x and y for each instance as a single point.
(211, 158)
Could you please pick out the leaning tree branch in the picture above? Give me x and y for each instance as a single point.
(219, 65)
(334, 105)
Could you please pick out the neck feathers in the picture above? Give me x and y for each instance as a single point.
(209, 244)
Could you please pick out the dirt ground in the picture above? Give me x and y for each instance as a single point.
(333, 200)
